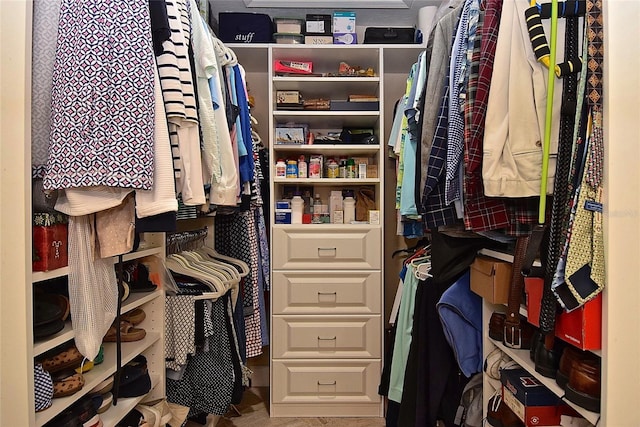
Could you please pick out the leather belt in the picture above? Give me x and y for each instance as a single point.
(518, 333)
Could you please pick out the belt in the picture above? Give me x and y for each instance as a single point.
(518, 333)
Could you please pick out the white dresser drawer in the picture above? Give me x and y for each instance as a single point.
(352, 381)
(332, 248)
(326, 292)
(326, 337)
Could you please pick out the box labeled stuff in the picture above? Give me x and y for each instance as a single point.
(491, 279)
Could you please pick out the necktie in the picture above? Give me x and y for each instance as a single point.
(585, 257)
(561, 195)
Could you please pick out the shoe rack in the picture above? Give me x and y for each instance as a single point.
(151, 346)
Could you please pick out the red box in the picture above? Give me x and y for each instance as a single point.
(581, 327)
(49, 242)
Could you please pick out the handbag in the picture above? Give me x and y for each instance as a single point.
(380, 35)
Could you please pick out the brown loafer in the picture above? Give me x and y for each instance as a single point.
(569, 355)
(496, 326)
(584, 383)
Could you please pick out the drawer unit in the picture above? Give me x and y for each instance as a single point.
(308, 248)
(326, 337)
(347, 382)
(327, 292)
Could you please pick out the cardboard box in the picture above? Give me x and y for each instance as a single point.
(318, 25)
(530, 400)
(345, 38)
(318, 39)
(50, 241)
(283, 216)
(581, 327)
(344, 22)
(372, 171)
(491, 279)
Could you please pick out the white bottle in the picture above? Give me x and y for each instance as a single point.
(349, 205)
(302, 167)
(297, 207)
(335, 204)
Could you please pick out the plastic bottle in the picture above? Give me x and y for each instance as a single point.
(351, 169)
(335, 204)
(314, 168)
(302, 167)
(317, 210)
(297, 208)
(349, 206)
(281, 169)
(343, 168)
(292, 169)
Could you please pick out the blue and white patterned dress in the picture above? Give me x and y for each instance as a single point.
(102, 100)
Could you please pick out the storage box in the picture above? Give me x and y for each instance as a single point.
(372, 171)
(491, 279)
(288, 38)
(245, 27)
(291, 135)
(288, 25)
(345, 38)
(49, 241)
(318, 39)
(581, 327)
(530, 400)
(344, 22)
(318, 25)
(293, 67)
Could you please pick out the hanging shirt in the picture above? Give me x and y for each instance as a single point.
(102, 97)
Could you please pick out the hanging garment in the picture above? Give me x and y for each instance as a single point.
(43, 54)
(514, 126)
(208, 380)
(102, 98)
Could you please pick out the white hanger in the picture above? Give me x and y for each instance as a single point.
(244, 267)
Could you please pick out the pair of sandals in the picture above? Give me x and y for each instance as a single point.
(128, 331)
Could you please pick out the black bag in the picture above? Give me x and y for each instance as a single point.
(375, 35)
(240, 27)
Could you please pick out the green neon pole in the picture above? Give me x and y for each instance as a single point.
(549, 113)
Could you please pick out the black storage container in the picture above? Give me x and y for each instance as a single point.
(376, 35)
(241, 27)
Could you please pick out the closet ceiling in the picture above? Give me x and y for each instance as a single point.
(397, 12)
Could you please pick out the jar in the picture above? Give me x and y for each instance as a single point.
(281, 169)
(292, 169)
(314, 168)
(332, 169)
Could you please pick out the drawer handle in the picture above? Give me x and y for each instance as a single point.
(327, 339)
(327, 293)
(323, 383)
(325, 250)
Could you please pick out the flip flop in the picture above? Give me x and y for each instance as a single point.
(127, 333)
(135, 316)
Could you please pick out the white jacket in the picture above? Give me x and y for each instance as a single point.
(514, 127)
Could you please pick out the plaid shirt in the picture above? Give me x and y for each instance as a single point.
(481, 213)
(435, 210)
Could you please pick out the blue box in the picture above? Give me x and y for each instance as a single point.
(283, 204)
(344, 22)
(283, 216)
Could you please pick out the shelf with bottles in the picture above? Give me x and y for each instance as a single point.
(327, 169)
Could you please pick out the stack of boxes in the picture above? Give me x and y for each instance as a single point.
(317, 29)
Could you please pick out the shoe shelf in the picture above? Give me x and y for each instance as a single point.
(115, 413)
(98, 374)
(66, 334)
(39, 276)
(522, 358)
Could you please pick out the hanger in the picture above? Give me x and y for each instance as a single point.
(178, 264)
(241, 266)
(226, 55)
(421, 243)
